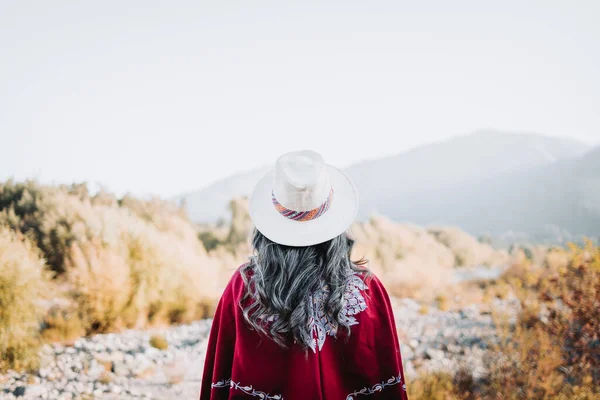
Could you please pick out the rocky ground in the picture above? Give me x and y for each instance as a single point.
(436, 340)
(125, 366)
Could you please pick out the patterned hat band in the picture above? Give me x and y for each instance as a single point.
(303, 215)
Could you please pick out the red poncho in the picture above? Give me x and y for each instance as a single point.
(241, 364)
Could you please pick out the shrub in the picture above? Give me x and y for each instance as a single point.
(49, 216)
(209, 240)
(241, 225)
(436, 386)
(117, 263)
(442, 302)
(553, 351)
(148, 276)
(100, 285)
(573, 299)
(405, 257)
(62, 323)
(159, 342)
(468, 251)
(105, 378)
(23, 284)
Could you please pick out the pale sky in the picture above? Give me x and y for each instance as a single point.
(166, 97)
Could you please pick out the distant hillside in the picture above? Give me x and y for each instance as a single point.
(475, 157)
(210, 204)
(455, 181)
(549, 199)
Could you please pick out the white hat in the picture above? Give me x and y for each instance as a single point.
(303, 201)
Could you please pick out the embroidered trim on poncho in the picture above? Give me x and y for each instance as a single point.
(378, 387)
(321, 322)
(228, 383)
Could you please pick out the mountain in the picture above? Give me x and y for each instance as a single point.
(451, 181)
(478, 156)
(541, 201)
(210, 204)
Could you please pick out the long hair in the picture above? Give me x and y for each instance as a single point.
(280, 281)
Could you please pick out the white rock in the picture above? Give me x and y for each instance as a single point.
(434, 354)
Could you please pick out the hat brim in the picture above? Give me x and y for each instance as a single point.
(282, 230)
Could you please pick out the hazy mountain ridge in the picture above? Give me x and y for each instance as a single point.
(538, 200)
(474, 157)
(488, 181)
(210, 203)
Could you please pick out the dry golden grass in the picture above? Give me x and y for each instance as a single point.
(406, 258)
(553, 349)
(105, 378)
(439, 386)
(117, 264)
(23, 284)
(159, 342)
(442, 302)
(467, 250)
(62, 324)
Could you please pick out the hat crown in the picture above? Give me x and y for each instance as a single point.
(301, 181)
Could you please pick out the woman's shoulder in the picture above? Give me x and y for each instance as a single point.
(237, 282)
(367, 276)
(372, 286)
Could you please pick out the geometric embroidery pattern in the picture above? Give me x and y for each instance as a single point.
(303, 215)
(321, 322)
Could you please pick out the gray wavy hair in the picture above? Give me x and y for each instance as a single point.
(280, 281)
